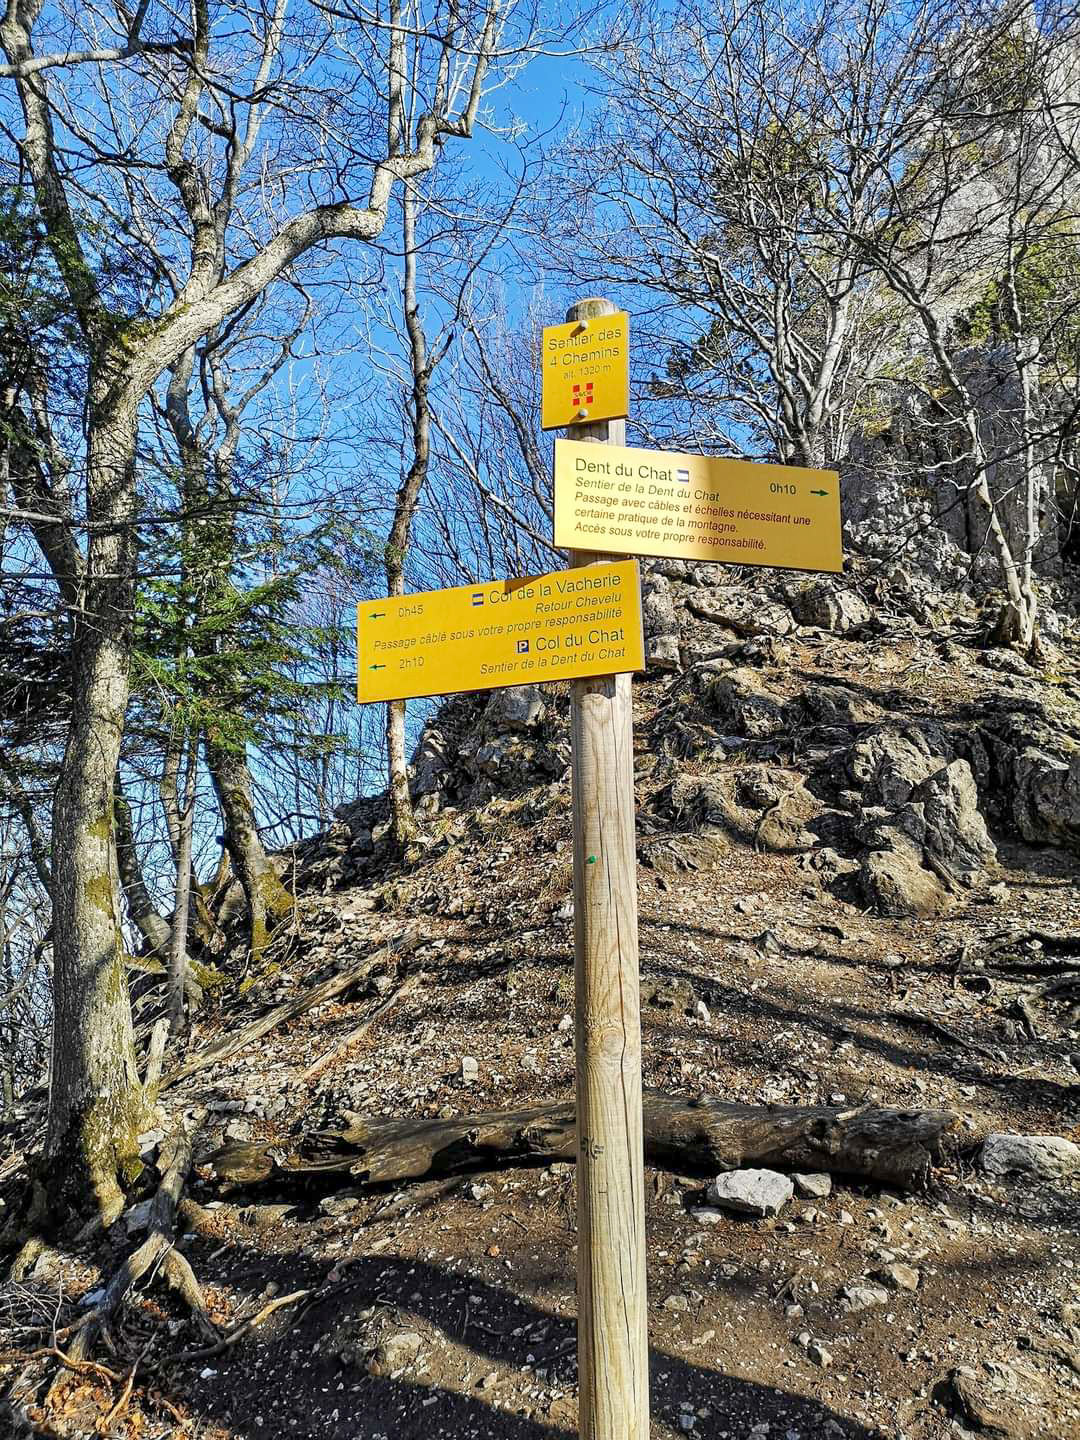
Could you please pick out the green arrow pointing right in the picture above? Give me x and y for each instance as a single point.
(819, 492)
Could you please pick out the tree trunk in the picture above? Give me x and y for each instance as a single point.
(267, 898)
(178, 961)
(892, 1147)
(168, 789)
(96, 1103)
(402, 819)
(151, 925)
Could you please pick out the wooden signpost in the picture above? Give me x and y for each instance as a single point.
(584, 625)
(613, 1345)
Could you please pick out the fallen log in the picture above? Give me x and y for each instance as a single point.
(236, 1040)
(892, 1147)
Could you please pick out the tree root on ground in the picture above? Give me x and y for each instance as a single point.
(156, 1252)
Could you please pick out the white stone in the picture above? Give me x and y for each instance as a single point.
(395, 1353)
(1047, 1156)
(813, 1187)
(751, 1192)
(470, 1070)
(854, 1298)
(707, 1215)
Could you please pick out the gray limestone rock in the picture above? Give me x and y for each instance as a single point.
(746, 706)
(990, 1408)
(854, 1298)
(813, 1187)
(751, 1192)
(829, 607)
(955, 831)
(1049, 1157)
(899, 1276)
(889, 764)
(514, 708)
(896, 883)
(662, 652)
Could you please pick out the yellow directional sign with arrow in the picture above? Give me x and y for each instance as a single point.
(696, 507)
(564, 626)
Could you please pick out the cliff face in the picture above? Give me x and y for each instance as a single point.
(907, 491)
(988, 238)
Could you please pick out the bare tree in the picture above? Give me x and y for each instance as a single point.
(402, 820)
(732, 178)
(225, 158)
(826, 199)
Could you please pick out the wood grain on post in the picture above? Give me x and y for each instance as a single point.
(613, 1363)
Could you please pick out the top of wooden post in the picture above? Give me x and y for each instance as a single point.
(590, 308)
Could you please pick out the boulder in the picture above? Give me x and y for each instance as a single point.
(735, 799)
(751, 1192)
(828, 607)
(813, 1187)
(1033, 763)
(743, 612)
(662, 652)
(746, 706)
(954, 831)
(514, 708)
(1048, 1157)
(837, 705)
(896, 883)
(660, 622)
(988, 1407)
(783, 826)
(889, 764)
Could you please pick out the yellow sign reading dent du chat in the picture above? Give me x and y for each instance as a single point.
(586, 371)
(564, 626)
(696, 507)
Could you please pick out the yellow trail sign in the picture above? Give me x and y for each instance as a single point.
(564, 626)
(586, 371)
(696, 507)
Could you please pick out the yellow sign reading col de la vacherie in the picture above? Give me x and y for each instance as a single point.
(564, 626)
(695, 507)
(586, 371)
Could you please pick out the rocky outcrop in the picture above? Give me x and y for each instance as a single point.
(762, 805)
(829, 606)
(905, 491)
(743, 702)
(479, 745)
(1032, 762)
(932, 844)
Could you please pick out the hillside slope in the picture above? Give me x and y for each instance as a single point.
(857, 843)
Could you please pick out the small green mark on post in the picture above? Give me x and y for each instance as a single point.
(591, 860)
